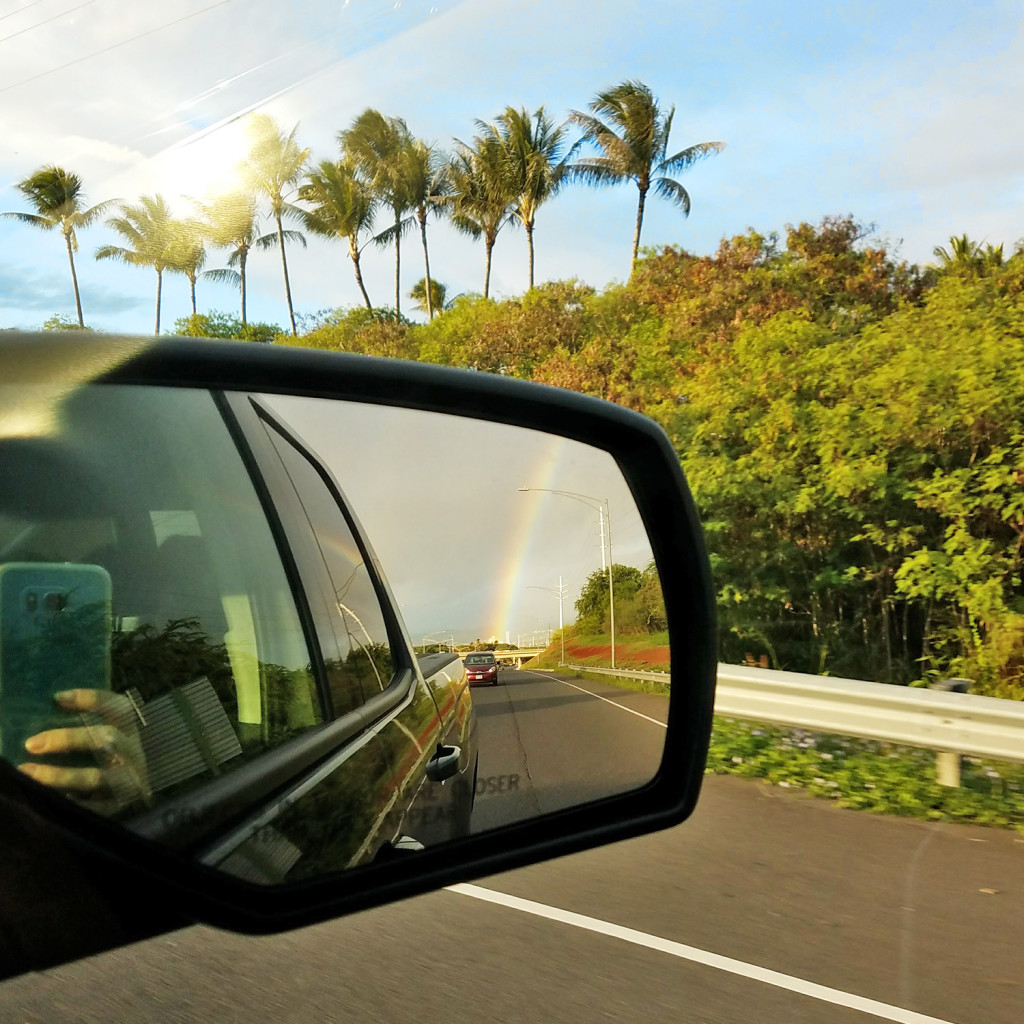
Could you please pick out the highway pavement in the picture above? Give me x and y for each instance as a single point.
(765, 907)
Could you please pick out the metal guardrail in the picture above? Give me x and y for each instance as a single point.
(621, 673)
(949, 723)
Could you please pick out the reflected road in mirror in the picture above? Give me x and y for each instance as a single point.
(547, 743)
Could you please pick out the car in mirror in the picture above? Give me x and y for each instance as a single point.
(481, 667)
(215, 563)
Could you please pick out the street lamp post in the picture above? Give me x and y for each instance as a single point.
(601, 506)
(436, 631)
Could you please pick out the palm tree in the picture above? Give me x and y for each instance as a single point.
(274, 166)
(965, 254)
(962, 252)
(231, 222)
(376, 145)
(426, 186)
(533, 149)
(437, 297)
(343, 207)
(58, 199)
(481, 200)
(631, 131)
(149, 231)
(187, 253)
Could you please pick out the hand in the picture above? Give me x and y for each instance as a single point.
(120, 777)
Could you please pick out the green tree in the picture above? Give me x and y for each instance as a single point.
(57, 197)
(533, 148)
(343, 206)
(378, 147)
(273, 168)
(376, 332)
(482, 199)
(432, 299)
(860, 489)
(964, 254)
(60, 322)
(631, 132)
(148, 230)
(592, 605)
(224, 325)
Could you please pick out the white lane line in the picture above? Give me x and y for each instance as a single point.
(700, 956)
(614, 703)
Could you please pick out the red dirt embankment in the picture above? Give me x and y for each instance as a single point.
(628, 654)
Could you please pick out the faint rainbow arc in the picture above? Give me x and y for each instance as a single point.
(509, 592)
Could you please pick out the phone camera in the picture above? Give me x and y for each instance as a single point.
(55, 601)
(31, 601)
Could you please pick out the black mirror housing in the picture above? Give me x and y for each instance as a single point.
(143, 888)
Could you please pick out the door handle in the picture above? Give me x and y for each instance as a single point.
(444, 764)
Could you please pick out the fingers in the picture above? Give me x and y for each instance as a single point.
(103, 701)
(65, 741)
(76, 780)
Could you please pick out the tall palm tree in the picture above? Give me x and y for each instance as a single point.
(426, 186)
(273, 169)
(149, 232)
(187, 252)
(59, 202)
(343, 206)
(533, 148)
(231, 222)
(376, 145)
(481, 200)
(631, 132)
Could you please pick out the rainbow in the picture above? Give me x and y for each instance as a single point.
(512, 584)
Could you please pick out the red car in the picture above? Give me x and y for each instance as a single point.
(481, 667)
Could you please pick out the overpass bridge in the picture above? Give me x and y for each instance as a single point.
(517, 656)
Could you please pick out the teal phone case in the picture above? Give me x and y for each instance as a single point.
(54, 635)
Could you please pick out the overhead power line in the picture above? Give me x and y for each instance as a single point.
(114, 46)
(25, 7)
(45, 21)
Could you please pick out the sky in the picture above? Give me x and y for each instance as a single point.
(466, 552)
(904, 114)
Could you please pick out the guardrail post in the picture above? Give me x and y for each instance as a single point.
(947, 768)
(947, 762)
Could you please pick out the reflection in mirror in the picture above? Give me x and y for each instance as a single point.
(491, 537)
(198, 640)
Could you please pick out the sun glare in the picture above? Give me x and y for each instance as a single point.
(202, 166)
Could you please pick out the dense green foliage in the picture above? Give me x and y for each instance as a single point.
(639, 605)
(225, 325)
(851, 427)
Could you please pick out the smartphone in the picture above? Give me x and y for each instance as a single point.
(54, 635)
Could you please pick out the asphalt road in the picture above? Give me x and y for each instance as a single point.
(927, 920)
(546, 744)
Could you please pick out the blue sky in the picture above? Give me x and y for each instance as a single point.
(906, 115)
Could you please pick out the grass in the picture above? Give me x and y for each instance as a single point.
(868, 775)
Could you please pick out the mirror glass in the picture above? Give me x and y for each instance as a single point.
(289, 636)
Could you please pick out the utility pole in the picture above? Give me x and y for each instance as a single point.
(603, 511)
(560, 594)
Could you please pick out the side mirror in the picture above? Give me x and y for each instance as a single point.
(253, 607)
